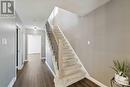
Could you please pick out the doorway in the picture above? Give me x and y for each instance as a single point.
(34, 45)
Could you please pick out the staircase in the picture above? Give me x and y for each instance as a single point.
(70, 69)
(67, 65)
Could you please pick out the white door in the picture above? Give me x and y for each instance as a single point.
(34, 44)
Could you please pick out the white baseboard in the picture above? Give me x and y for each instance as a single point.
(43, 57)
(20, 67)
(16, 67)
(96, 81)
(50, 69)
(26, 60)
(12, 82)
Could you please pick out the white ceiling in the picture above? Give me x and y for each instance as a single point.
(36, 12)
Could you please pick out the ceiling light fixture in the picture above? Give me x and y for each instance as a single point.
(35, 27)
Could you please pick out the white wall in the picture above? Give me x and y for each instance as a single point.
(34, 44)
(108, 30)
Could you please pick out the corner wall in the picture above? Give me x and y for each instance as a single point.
(106, 29)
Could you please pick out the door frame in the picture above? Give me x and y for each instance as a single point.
(19, 61)
(40, 42)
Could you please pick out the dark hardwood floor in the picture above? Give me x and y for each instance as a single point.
(34, 74)
(84, 83)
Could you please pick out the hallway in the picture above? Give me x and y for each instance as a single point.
(34, 74)
(64, 43)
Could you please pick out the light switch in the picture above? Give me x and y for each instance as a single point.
(4, 41)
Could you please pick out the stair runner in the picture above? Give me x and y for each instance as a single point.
(71, 70)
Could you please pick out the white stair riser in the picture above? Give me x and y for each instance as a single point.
(72, 67)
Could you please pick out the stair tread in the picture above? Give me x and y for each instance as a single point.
(67, 49)
(71, 72)
(66, 52)
(66, 64)
(73, 76)
(69, 60)
(73, 67)
(74, 81)
(68, 55)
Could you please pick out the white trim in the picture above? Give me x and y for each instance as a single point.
(43, 58)
(12, 82)
(26, 60)
(20, 67)
(50, 69)
(16, 67)
(96, 81)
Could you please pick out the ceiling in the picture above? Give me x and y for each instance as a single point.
(36, 12)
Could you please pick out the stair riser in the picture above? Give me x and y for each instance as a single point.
(71, 72)
(69, 60)
(69, 64)
(72, 67)
(71, 78)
